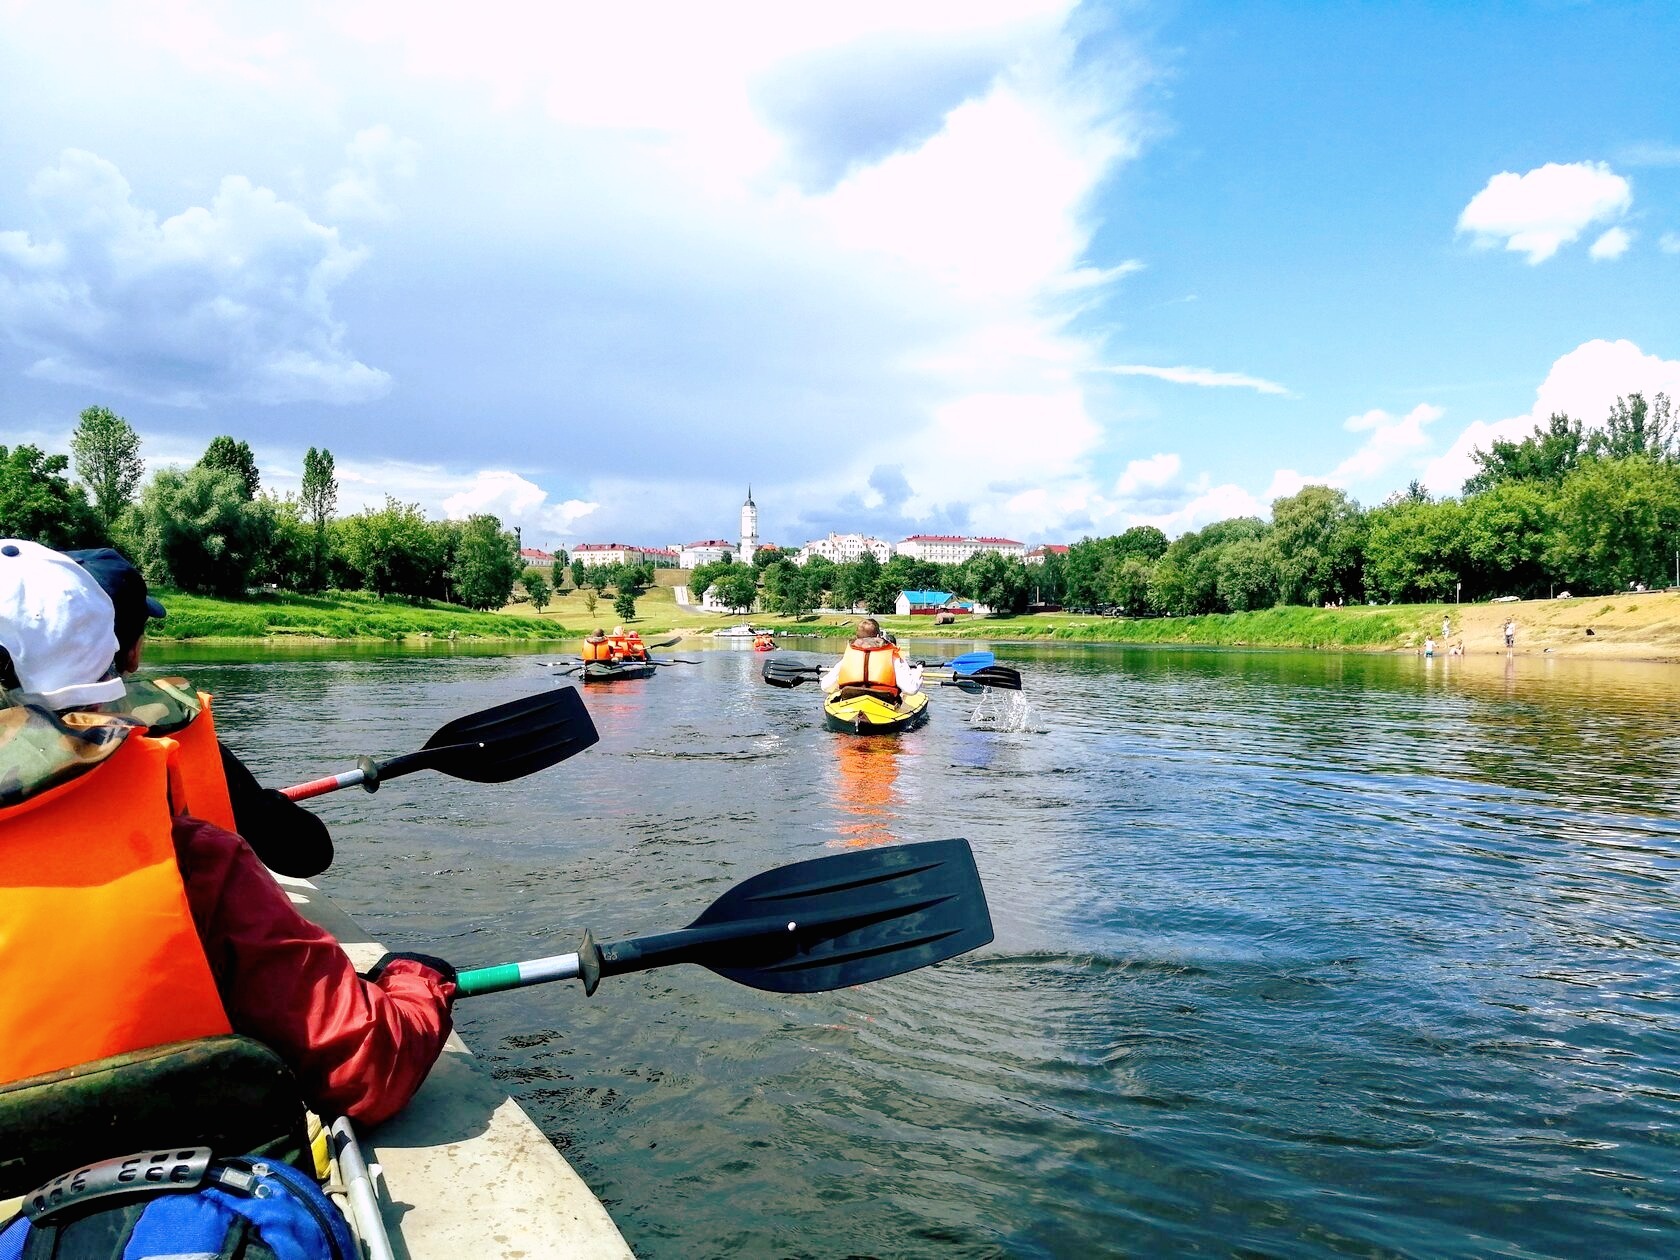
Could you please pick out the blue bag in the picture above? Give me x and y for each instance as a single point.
(179, 1204)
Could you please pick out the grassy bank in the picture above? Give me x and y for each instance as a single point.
(336, 615)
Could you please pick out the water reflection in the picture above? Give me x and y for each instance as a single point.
(863, 778)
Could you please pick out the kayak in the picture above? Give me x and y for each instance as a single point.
(872, 715)
(617, 671)
(463, 1171)
(764, 645)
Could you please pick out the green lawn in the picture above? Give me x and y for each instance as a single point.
(337, 615)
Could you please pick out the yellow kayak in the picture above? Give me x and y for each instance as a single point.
(873, 715)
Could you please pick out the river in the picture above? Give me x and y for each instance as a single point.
(1297, 954)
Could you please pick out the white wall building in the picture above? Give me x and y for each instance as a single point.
(749, 529)
(844, 548)
(706, 551)
(952, 549)
(1038, 554)
(592, 554)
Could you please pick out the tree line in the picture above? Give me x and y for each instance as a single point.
(213, 529)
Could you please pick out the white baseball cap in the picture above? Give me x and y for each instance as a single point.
(58, 625)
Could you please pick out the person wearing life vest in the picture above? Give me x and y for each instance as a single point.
(596, 647)
(126, 923)
(873, 665)
(626, 646)
(219, 789)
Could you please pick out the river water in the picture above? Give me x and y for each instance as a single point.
(1297, 954)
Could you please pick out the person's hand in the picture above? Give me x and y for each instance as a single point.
(444, 969)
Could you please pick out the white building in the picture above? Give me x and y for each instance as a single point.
(749, 529)
(1038, 554)
(706, 551)
(592, 554)
(952, 549)
(844, 548)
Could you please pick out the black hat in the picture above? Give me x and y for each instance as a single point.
(122, 582)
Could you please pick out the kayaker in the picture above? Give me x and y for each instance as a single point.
(596, 647)
(286, 836)
(161, 927)
(872, 663)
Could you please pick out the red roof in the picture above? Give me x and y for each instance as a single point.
(533, 553)
(609, 547)
(1059, 548)
(710, 542)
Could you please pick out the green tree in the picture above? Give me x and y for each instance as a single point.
(1415, 550)
(1143, 541)
(1636, 428)
(1128, 585)
(107, 451)
(291, 559)
(819, 576)
(591, 600)
(320, 501)
(392, 549)
(1547, 455)
(235, 457)
(1618, 522)
(737, 588)
(579, 572)
(199, 531)
(1185, 580)
(535, 583)
(998, 582)
(485, 564)
(625, 606)
(1246, 574)
(788, 589)
(1506, 534)
(39, 503)
(1319, 533)
(700, 581)
(854, 579)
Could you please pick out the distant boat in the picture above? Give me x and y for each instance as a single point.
(745, 631)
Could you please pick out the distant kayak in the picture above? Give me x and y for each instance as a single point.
(616, 671)
(764, 643)
(873, 715)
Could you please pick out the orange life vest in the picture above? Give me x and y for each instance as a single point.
(199, 759)
(870, 669)
(627, 647)
(597, 651)
(98, 953)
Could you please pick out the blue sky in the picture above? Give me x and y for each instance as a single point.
(1020, 267)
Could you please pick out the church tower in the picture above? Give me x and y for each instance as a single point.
(749, 529)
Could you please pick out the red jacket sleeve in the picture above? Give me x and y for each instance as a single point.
(357, 1048)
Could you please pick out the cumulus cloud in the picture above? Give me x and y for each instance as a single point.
(1613, 244)
(1199, 376)
(1582, 385)
(1153, 472)
(374, 157)
(1392, 440)
(1538, 213)
(226, 301)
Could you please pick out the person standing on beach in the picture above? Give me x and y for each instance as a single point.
(1510, 632)
(1446, 627)
(1429, 647)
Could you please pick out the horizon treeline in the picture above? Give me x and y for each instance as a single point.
(212, 529)
(1564, 508)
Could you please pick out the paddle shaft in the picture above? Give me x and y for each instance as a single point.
(369, 774)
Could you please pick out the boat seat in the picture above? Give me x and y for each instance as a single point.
(229, 1093)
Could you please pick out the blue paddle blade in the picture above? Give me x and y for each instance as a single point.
(971, 661)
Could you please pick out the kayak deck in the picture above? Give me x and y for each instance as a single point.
(462, 1170)
(872, 715)
(595, 671)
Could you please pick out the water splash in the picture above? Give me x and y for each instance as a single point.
(1005, 711)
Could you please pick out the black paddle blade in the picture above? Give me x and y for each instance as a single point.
(506, 742)
(1000, 676)
(831, 922)
(787, 674)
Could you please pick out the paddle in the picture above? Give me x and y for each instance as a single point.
(507, 742)
(817, 925)
(1000, 676)
(964, 664)
(789, 674)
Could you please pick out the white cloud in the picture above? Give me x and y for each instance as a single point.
(1538, 213)
(1613, 244)
(1392, 440)
(1156, 471)
(226, 301)
(376, 155)
(1670, 243)
(517, 502)
(1199, 376)
(1582, 385)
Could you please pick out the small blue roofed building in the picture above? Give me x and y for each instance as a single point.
(929, 603)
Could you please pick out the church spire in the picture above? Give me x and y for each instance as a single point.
(749, 502)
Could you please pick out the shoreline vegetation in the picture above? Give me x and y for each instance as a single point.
(1625, 626)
